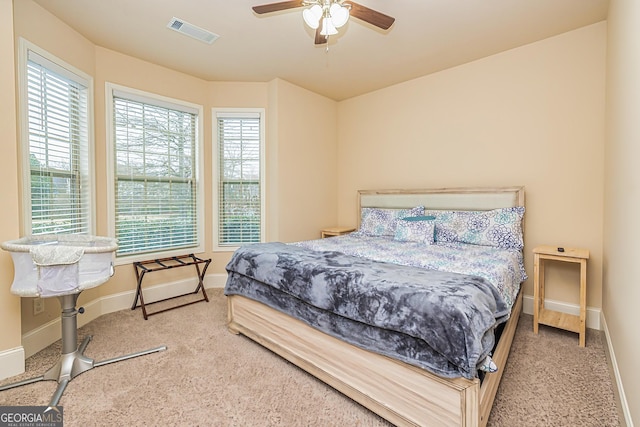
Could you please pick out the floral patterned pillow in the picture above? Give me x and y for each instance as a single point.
(501, 228)
(421, 231)
(382, 222)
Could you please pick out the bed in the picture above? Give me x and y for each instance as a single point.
(408, 383)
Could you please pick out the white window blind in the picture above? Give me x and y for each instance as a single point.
(155, 176)
(58, 146)
(239, 180)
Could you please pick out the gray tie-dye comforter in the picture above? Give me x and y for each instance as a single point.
(454, 314)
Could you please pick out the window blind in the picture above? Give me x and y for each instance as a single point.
(155, 174)
(239, 186)
(57, 116)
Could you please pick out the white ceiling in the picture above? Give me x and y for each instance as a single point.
(427, 36)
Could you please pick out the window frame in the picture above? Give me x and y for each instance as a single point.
(86, 171)
(165, 102)
(239, 113)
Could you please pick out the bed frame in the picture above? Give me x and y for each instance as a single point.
(403, 394)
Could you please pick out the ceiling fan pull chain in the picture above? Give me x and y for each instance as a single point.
(327, 58)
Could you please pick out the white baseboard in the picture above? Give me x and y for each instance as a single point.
(45, 335)
(11, 362)
(593, 314)
(626, 412)
(41, 337)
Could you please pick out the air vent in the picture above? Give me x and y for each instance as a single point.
(192, 31)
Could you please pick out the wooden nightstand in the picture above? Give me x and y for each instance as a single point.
(553, 318)
(336, 231)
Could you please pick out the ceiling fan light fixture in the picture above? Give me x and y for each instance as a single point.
(328, 29)
(326, 16)
(312, 16)
(332, 14)
(339, 15)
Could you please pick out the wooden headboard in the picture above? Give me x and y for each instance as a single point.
(469, 199)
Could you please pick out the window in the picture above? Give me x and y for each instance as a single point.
(239, 178)
(155, 145)
(56, 144)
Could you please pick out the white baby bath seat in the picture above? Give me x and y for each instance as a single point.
(62, 266)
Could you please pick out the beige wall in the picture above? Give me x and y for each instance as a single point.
(622, 200)
(531, 116)
(307, 163)
(37, 25)
(289, 150)
(9, 226)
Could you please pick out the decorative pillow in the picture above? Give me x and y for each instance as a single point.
(382, 222)
(416, 230)
(419, 218)
(500, 228)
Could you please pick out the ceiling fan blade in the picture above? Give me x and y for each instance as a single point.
(320, 39)
(275, 7)
(371, 16)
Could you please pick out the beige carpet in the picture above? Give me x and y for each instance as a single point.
(210, 377)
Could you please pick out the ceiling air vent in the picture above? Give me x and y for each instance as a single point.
(192, 31)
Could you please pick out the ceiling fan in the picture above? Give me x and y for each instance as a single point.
(326, 16)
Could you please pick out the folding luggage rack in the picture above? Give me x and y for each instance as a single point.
(150, 266)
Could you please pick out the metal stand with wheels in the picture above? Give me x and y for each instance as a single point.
(73, 362)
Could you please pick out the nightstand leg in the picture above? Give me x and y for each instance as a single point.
(536, 292)
(542, 284)
(583, 302)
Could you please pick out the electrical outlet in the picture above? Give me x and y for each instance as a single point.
(38, 306)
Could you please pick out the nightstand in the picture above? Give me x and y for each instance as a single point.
(541, 315)
(336, 231)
